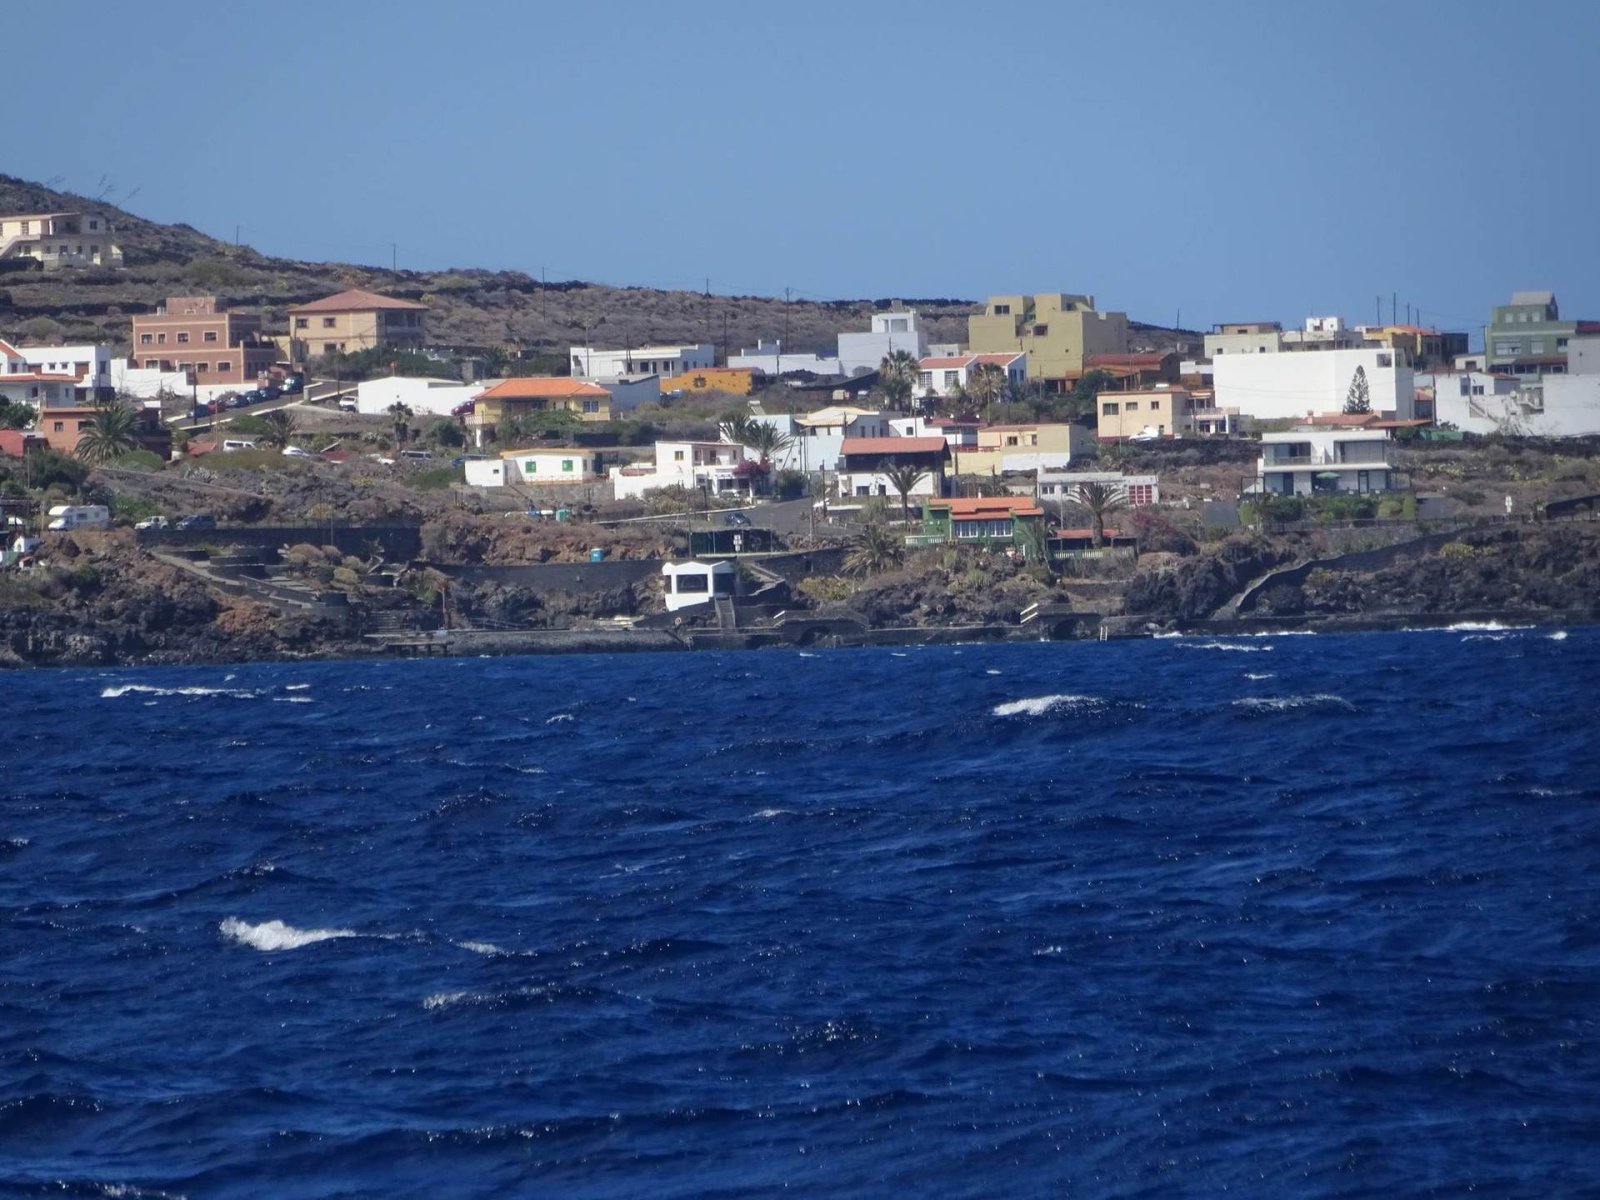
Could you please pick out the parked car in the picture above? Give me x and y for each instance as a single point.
(198, 521)
(417, 455)
(154, 523)
(253, 396)
(347, 404)
(80, 516)
(462, 460)
(737, 519)
(297, 452)
(293, 385)
(269, 393)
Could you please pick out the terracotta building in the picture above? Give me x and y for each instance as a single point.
(198, 335)
(354, 320)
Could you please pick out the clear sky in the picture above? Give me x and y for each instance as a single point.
(1229, 161)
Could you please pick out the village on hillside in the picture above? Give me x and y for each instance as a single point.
(330, 478)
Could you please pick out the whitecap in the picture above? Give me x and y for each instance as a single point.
(17, 842)
(806, 654)
(1559, 635)
(529, 770)
(991, 671)
(275, 935)
(1285, 703)
(558, 717)
(1483, 627)
(293, 700)
(117, 691)
(1259, 675)
(775, 812)
(296, 687)
(1224, 646)
(482, 947)
(1047, 951)
(1037, 706)
(450, 999)
(897, 654)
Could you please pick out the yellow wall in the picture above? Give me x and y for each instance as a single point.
(736, 381)
(1072, 329)
(492, 412)
(1167, 409)
(348, 333)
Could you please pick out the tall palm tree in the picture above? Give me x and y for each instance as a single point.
(736, 427)
(1101, 499)
(766, 441)
(897, 376)
(279, 427)
(986, 386)
(902, 478)
(876, 548)
(110, 434)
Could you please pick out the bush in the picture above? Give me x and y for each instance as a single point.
(50, 468)
(129, 508)
(437, 479)
(788, 485)
(249, 425)
(826, 589)
(445, 432)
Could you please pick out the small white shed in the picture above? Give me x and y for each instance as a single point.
(695, 582)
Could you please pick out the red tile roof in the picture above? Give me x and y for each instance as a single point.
(355, 300)
(542, 387)
(989, 506)
(1145, 359)
(936, 363)
(894, 445)
(1000, 359)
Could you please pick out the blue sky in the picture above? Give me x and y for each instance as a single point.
(1227, 161)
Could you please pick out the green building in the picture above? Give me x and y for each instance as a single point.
(1528, 336)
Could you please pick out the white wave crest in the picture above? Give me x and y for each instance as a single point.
(1234, 646)
(296, 687)
(1037, 706)
(140, 689)
(1483, 627)
(1259, 675)
(275, 935)
(1286, 703)
(1047, 951)
(558, 717)
(775, 812)
(991, 671)
(1559, 635)
(450, 999)
(483, 947)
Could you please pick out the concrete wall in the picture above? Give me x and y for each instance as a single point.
(423, 396)
(1314, 382)
(1583, 355)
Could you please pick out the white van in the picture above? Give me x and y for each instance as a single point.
(79, 516)
(237, 444)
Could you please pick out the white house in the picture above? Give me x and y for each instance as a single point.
(63, 239)
(817, 437)
(695, 582)
(770, 358)
(1137, 491)
(714, 466)
(630, 391)
(89, 364)
(891, 331)
(23, 383)
(946, 375)
(1267, 387)
(150, 383)
(543, 465)
(422, 394)
(864, 465)
(1308, 459)
(1551, 406)
(599, 365)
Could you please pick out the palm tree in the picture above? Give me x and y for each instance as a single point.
(736, 427)
(876, 548)
(902, 478)
(897, 376)
(278, 428)
(986, 386)
(400, 414)
(110, 434)
(1100, 499)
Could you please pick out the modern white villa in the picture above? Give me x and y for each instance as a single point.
(1307, 459)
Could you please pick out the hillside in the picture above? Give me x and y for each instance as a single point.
(470, 308)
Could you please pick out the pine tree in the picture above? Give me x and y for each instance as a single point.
(1358, 400)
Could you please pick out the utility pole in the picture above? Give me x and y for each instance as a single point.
(785, 338)
(394, 256)
(1380, 310)
(1394, 308)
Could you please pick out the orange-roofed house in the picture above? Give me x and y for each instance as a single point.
(354, 320)
(1013, 520)
(512, 398)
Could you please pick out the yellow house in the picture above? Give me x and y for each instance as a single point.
(544, 393)
(1158, 413)
(1028, 447)
(1057, 332)
(736, 381)
(354, 320)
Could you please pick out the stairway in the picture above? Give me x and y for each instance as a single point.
(727, 618)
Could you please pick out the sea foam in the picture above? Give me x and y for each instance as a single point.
(275, 935)
(140, 689)
(1037, 706)
(1285, 703)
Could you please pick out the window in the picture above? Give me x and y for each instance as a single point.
(1536, 346)
(185, 366)
(1140, 493)
(1109, 409)
(330, 347)
(1508, 347)
(94, 249)
(677, 456)
(94, 227)
(1041, 331)
(1011, 439)
(209, 335)
(566, 464)
(1131, 406)
(1466, 386)
(1386, 360)
(27, 227)
(327, 322)
(952, 379)
(145, 339)
(202, 368)
(224, 366)
(925, 379)
(898, 325)
(1000, 310)
(302, 323)
(1477, 389)
(591, 406)
(693, 583)
(161, 339)
(60, 426)
(183, 338)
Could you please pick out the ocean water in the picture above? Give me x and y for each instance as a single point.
(1309, 915)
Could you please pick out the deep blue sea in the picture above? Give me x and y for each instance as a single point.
(1301, 915)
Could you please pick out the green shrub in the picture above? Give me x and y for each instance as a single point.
(826, 589)
(437, 479)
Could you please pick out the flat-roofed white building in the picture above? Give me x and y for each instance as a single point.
(1267, 387)
(592, 363)
(423, 395)
(717, 467)
(1311, 458)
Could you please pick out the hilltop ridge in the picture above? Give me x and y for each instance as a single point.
(470, 307)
